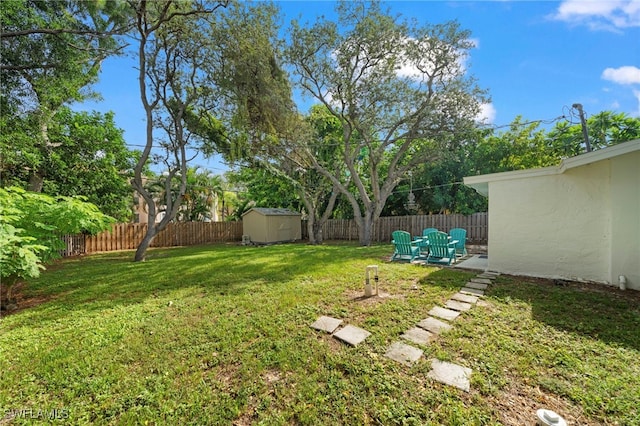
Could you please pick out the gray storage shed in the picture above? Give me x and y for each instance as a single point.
(263, 225)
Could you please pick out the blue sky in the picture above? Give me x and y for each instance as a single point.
(535, 58)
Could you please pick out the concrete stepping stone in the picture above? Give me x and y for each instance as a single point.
(478, 286)
(472, 291)
(494, 274)
(327, 324)
(403, 353)
(351, 335)
(444, 313)
(466, 298)
(418, 335)
(487, 276)
(433, 325)
(451, 374)
(457, 305)
(481, 280)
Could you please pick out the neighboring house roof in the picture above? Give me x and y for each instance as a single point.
(272, 212)
(481, 183)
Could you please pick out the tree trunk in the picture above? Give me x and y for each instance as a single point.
(311, 229)
(141, 251)
(36, 181)
(317, 231)
(364, 222)
(366, 230)
(314, 228)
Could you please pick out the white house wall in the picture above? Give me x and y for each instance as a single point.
(555, 225)
(625, 224)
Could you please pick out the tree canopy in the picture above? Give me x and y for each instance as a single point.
(399, 90)
(522, 145)
(51, 53)
(90, 158)
(206, 76)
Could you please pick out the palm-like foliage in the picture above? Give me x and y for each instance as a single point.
(200, 199)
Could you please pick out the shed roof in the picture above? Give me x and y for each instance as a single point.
(481, 182)
(272, 212)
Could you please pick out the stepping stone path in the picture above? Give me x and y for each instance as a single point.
(472, 291)
(444, 313)
(450, 374)
(457, 305)
(405, 354)
(485, 281)
(418, 335)
(433, 325)
(327, 324)
(352, 335)
(426, 331)
(477, 286)
(465, 298)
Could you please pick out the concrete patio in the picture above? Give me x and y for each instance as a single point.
(476, 262)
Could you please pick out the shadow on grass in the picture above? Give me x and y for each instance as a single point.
(590, 310)
(448, 278)
(104, 281)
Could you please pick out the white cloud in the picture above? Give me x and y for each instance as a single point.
(487, 114)
(623, 75)
(611, 15)
(410, 69)
(636, 93)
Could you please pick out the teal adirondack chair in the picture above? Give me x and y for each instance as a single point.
(422, 244)
(427, 231)
(440, 249)
(405, 249)
(460, 235)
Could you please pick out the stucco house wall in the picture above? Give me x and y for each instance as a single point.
(578, 221)
(625, 219)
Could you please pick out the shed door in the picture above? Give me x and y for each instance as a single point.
(284, 229)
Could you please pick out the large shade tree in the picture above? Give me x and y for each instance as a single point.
(51, 52)
(399, 90)
(291, 180)
(170, 59)
(202, 86)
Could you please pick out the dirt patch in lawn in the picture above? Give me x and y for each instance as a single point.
(518, 403)
(381, 297)
(581, 286)
(19, 301)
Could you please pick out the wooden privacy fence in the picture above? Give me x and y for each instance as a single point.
(475, 224)
(127, 236)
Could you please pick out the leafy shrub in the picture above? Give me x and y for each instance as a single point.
(30, 229)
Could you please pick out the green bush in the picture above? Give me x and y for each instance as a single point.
(30, 229)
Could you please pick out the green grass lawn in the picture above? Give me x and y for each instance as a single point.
(220, 335)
